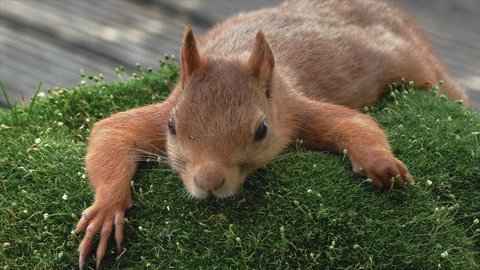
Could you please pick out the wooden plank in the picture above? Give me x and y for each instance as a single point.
(53, 40)
(71, 27)
(208, 12)
(44, 53)
(37, 59)
(452, 28)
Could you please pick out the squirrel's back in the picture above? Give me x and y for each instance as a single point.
(345, 52)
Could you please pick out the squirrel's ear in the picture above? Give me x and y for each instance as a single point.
(191, 60)
(261, 60)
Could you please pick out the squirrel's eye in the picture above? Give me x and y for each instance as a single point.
(171, 127)
(261, 132)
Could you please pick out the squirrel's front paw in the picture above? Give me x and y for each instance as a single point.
(100, 218)
(383, 168)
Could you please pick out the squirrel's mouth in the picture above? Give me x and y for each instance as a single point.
(222, 193)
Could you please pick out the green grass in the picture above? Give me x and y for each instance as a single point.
(307, 211)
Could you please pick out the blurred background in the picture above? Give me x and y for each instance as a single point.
(52, 40)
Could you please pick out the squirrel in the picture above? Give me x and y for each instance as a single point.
(312, 65)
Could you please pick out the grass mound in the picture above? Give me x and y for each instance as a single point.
(305, 211)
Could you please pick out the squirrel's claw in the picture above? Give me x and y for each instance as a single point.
(385, 171)
(93, 221)
(119, 221)
(85, 246)
(104, 236)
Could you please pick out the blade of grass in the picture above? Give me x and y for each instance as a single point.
(13, 108)
(5, 95)
(35, 98)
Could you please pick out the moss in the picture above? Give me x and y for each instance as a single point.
(306, 210)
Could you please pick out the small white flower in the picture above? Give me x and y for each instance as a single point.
(65, 197)
(46, 215)
(60, 124)
(444, 254)
(429, 182)
(475, 221)
(356, 246)
(84, 176)
(38, 140)
(309, 191)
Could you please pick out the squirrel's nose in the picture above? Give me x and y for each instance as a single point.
(209, 177)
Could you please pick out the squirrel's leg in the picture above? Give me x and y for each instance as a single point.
(115, 146)
(329, 126)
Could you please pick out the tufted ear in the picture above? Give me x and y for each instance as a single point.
(261, 61)
(191, 60)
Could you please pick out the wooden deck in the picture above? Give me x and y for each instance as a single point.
(51, 41)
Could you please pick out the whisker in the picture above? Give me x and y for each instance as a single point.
(150, 156)
(148, 159)
(145, 152)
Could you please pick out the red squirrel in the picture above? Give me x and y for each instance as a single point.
(254, 84)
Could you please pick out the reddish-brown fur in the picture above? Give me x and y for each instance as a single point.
(304, 75)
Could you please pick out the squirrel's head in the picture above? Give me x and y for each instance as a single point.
(224, 124)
